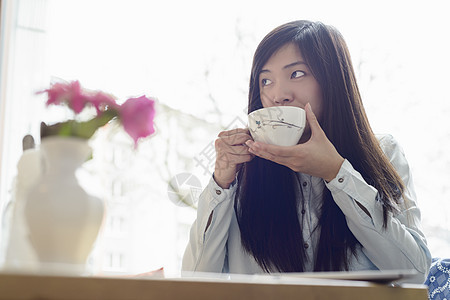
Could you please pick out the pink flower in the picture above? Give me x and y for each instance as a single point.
(56, 93)
(77, 99)
(69, 93)
(102, 100)
(136, 115)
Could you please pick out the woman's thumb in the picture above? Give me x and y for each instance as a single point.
(311, 118)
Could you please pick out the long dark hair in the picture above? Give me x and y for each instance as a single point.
(267, 199)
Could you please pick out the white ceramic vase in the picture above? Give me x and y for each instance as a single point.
(63, 220)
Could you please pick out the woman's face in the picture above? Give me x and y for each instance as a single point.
(287, 80)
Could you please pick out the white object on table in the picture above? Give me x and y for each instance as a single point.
(19, 253)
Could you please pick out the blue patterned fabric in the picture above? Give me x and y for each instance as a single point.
(438, 280)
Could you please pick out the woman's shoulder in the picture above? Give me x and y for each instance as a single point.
(385, 139)
(389, 144)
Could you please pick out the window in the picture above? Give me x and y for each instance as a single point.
(197, 64)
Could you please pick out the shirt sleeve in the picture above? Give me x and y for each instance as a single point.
(402, 244)
(206, 250)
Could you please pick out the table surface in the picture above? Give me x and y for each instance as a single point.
(61, 287)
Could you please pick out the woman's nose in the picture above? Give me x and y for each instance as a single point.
(282, 98)
(282, 95)
(281, 101)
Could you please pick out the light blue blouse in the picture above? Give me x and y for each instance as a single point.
(401, 246)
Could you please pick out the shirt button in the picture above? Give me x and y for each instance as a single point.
(306, 245)
(218, 192)
(341, 180)
(305, 183)
(303, 211)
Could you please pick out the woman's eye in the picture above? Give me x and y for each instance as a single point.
(266, 81)
(297, 74)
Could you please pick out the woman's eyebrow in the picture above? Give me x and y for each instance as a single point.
(296, 63)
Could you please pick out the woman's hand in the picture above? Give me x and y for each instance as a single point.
(317, 157)
(231, 152)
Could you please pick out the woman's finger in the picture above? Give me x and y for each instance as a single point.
(274, 150)
(233, 132)
(235, 139)
(312, 120)
(287, 156)
(228, 159)
(282, 160)
(224, 148)
(239, 149)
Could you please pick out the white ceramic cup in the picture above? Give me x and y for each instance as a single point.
(277, 125)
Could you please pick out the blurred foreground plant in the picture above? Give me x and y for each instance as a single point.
(135, 114)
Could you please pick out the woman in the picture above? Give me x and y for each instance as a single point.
(342, 199)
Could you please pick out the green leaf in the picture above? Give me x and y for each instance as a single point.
(78, 129)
